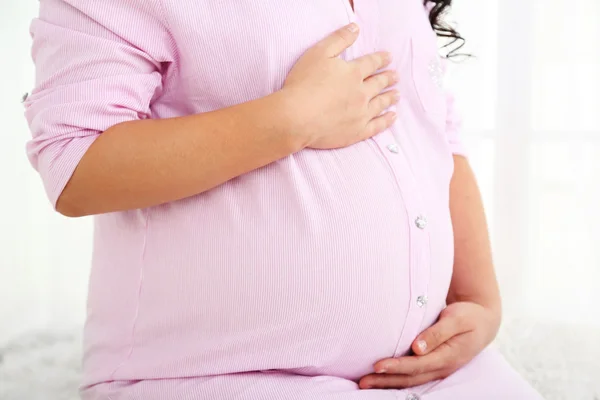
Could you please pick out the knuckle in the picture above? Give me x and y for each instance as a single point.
(370, 61)
(445, 313)
(372, 128)
(362, 99)
(436, 336)
(376, 105)
(387, 79)
(389, 98)
(357, 74)
(382, 103)
(368, 132)
(381, 126)
(383, 80)
(377, 60)
(386, 101)
(375, 127)
(386, 57)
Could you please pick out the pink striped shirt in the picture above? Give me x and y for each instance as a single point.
(316, 265)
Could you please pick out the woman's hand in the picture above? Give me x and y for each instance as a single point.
(337, 103)
(463, 330)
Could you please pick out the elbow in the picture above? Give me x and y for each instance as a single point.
(68, 207)
(69, 210)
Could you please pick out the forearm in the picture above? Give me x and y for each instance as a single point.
(145, 163)
(473, 277)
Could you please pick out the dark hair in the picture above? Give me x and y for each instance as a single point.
(441, 28)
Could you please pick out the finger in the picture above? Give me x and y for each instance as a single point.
(334, 44)
(379, 124)
(443, 357)
(375, 84)
(412, 365)
(398, 381)
(380, 103)
(371, 63)
(440, 332)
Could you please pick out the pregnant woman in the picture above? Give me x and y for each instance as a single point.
(283, 209)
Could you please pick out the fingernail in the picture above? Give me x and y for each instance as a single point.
(380, 371)
(421, 345)
(395, 77)
(353, 27)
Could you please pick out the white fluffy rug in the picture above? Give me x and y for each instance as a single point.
(560, 361)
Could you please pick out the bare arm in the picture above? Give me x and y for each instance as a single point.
(144, 163)
(473, 277)
(325, 103)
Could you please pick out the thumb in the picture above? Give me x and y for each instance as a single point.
(334, 44)
(437, 334)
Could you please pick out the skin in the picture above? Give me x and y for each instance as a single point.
(471, 320)
(325, 103)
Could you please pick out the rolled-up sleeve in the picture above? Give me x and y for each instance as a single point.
(98, 63)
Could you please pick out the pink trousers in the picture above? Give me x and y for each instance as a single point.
(487, 377)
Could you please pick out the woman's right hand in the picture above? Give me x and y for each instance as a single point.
(338, 103)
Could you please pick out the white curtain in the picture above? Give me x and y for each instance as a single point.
(531, 102)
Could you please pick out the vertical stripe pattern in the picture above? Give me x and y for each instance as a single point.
(288, 282)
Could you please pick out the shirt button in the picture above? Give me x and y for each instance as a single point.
(393, 148)
(413, 396)
(422, 301)
(421, 222)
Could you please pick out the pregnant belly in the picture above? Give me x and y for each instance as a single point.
(276, 278)
(329, 302)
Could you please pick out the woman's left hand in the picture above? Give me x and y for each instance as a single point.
(463, 330)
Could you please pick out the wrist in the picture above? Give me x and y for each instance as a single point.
(490, 301)
(492, 307)
(292, 114)
(495, 318)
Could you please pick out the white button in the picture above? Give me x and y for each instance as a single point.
(421, 222)
(413, 396)
(393, 148)
(422, 301)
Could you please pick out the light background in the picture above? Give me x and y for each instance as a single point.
(531, 102)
